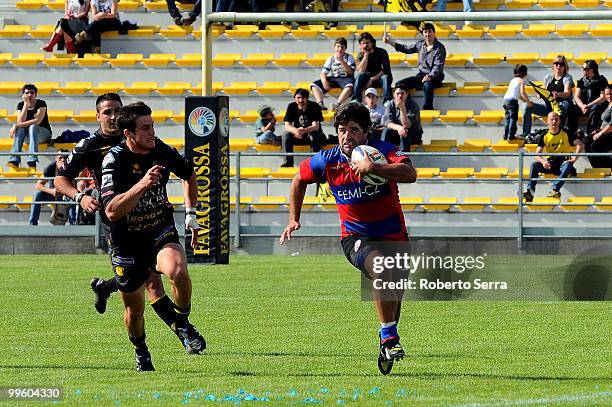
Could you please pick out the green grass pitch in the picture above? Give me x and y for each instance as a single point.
(293, 331)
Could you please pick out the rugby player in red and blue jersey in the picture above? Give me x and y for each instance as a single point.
(369, 214)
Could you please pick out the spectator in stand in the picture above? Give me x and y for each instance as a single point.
(402, 120)
(175, 13)
(600, 140)
(468, 6)
(310, 5)
(373, 68)
(47, 192)
(432, 55)
(516, 91)
(302, 125)
(589, 95)
(105, 18)
(74, 21)
(554, 141)
(32, 122)
(265, 126)
(560, 84)
(337, 72)
(377, 112)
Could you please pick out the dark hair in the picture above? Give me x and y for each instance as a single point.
(367, 36)
(428, 26)
(353, 111)
(302, 92)
(108, 96)
(400, 86)
(130, 113)
(29, 86)
(591, 64)
(341, 41)
(520, 70)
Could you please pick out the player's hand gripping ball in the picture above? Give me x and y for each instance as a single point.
(360, 152)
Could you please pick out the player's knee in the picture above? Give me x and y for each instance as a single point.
(177, 272)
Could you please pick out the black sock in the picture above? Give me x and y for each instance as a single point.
(109, 286)
(139, 343)
(182, 314)
(164, 307)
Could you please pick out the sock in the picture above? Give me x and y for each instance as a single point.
(182, 314)
(109, 286)
(389, 331)
(164, 308)
(139, 343)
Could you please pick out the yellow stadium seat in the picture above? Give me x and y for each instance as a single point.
(176, 200)
(75, 88)
(27, 202)
(446, 88)
(596, 56)
(317, 60)
(85, 116)
(240, 144)
(174, 88)
(489, 117)
(176, 142)
(242, 31)
(30, 4)
(9, 88)
(14, 31)
(59, 60)
(572, 30)
(439, 203)
(226, 59)
(155, 60)
(144, 31)
(3, 114)
(521, 4)
(456, 172)
(595, 173)
(601, 30)
(439, 145)
(402, 31)
(552, 4)
(269, 202)
(490, 4)
(308, 31)
(290, 59)
(125, 60)
(42, 31)
(28, 59)
(250, 116)
(506, 203)
(396, 58)
(499, 88)
(310, 202)
(240, 88)
(377, 30)
(472, 88)
(585, 3)
(5, 57)
(106, 87)
(56, 5)
(475, 203)
(471, 31)
(6, 201)
(130, 5)
(176, 31)
(605, 204)
(288, 172)
(273, 88)
(189, 60)
(456, 116)
(539, 30)
(254, 172)
(427, 172)
(244, 201)
(470, 145)
(268, 148)
(257, 60)
(578, 203)
(549, 57)
(457, 59)
(410, 203)
(488, 59)
(514, 173)
(340, 31)
(156, 6)
(524, 58)
(141, 88)
(59, 116)
(161, 116)
(91, 60)
(274, 31)
(542, 203)
(443, 31)
(491, 172)
(506, 146)
(505, 30)
(428, 116)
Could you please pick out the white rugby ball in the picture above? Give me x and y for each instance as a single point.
(360, 152)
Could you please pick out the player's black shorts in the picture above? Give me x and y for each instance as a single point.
(133, 262)
(358, 248)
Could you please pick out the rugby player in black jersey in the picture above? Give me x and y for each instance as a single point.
(89, 153)
(143, 237)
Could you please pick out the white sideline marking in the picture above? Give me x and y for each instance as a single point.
(544, 400)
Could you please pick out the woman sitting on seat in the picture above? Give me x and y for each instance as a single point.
(74, 21)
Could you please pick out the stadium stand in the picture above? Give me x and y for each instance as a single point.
(264, 66)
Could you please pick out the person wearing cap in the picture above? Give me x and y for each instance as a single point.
(589, 95)
(377, 112)
(402, 120)
(337, 72)
(432, 55)
(265, 126)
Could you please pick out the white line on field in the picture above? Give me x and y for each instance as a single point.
(544, 400)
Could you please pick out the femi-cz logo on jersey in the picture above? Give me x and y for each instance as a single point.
(202, 121)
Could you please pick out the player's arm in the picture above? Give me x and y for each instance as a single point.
(120, 205)
(190, 191)
(398, 169)
(296, 199)
(68, 172)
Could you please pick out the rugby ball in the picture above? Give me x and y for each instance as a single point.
(360, 152)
